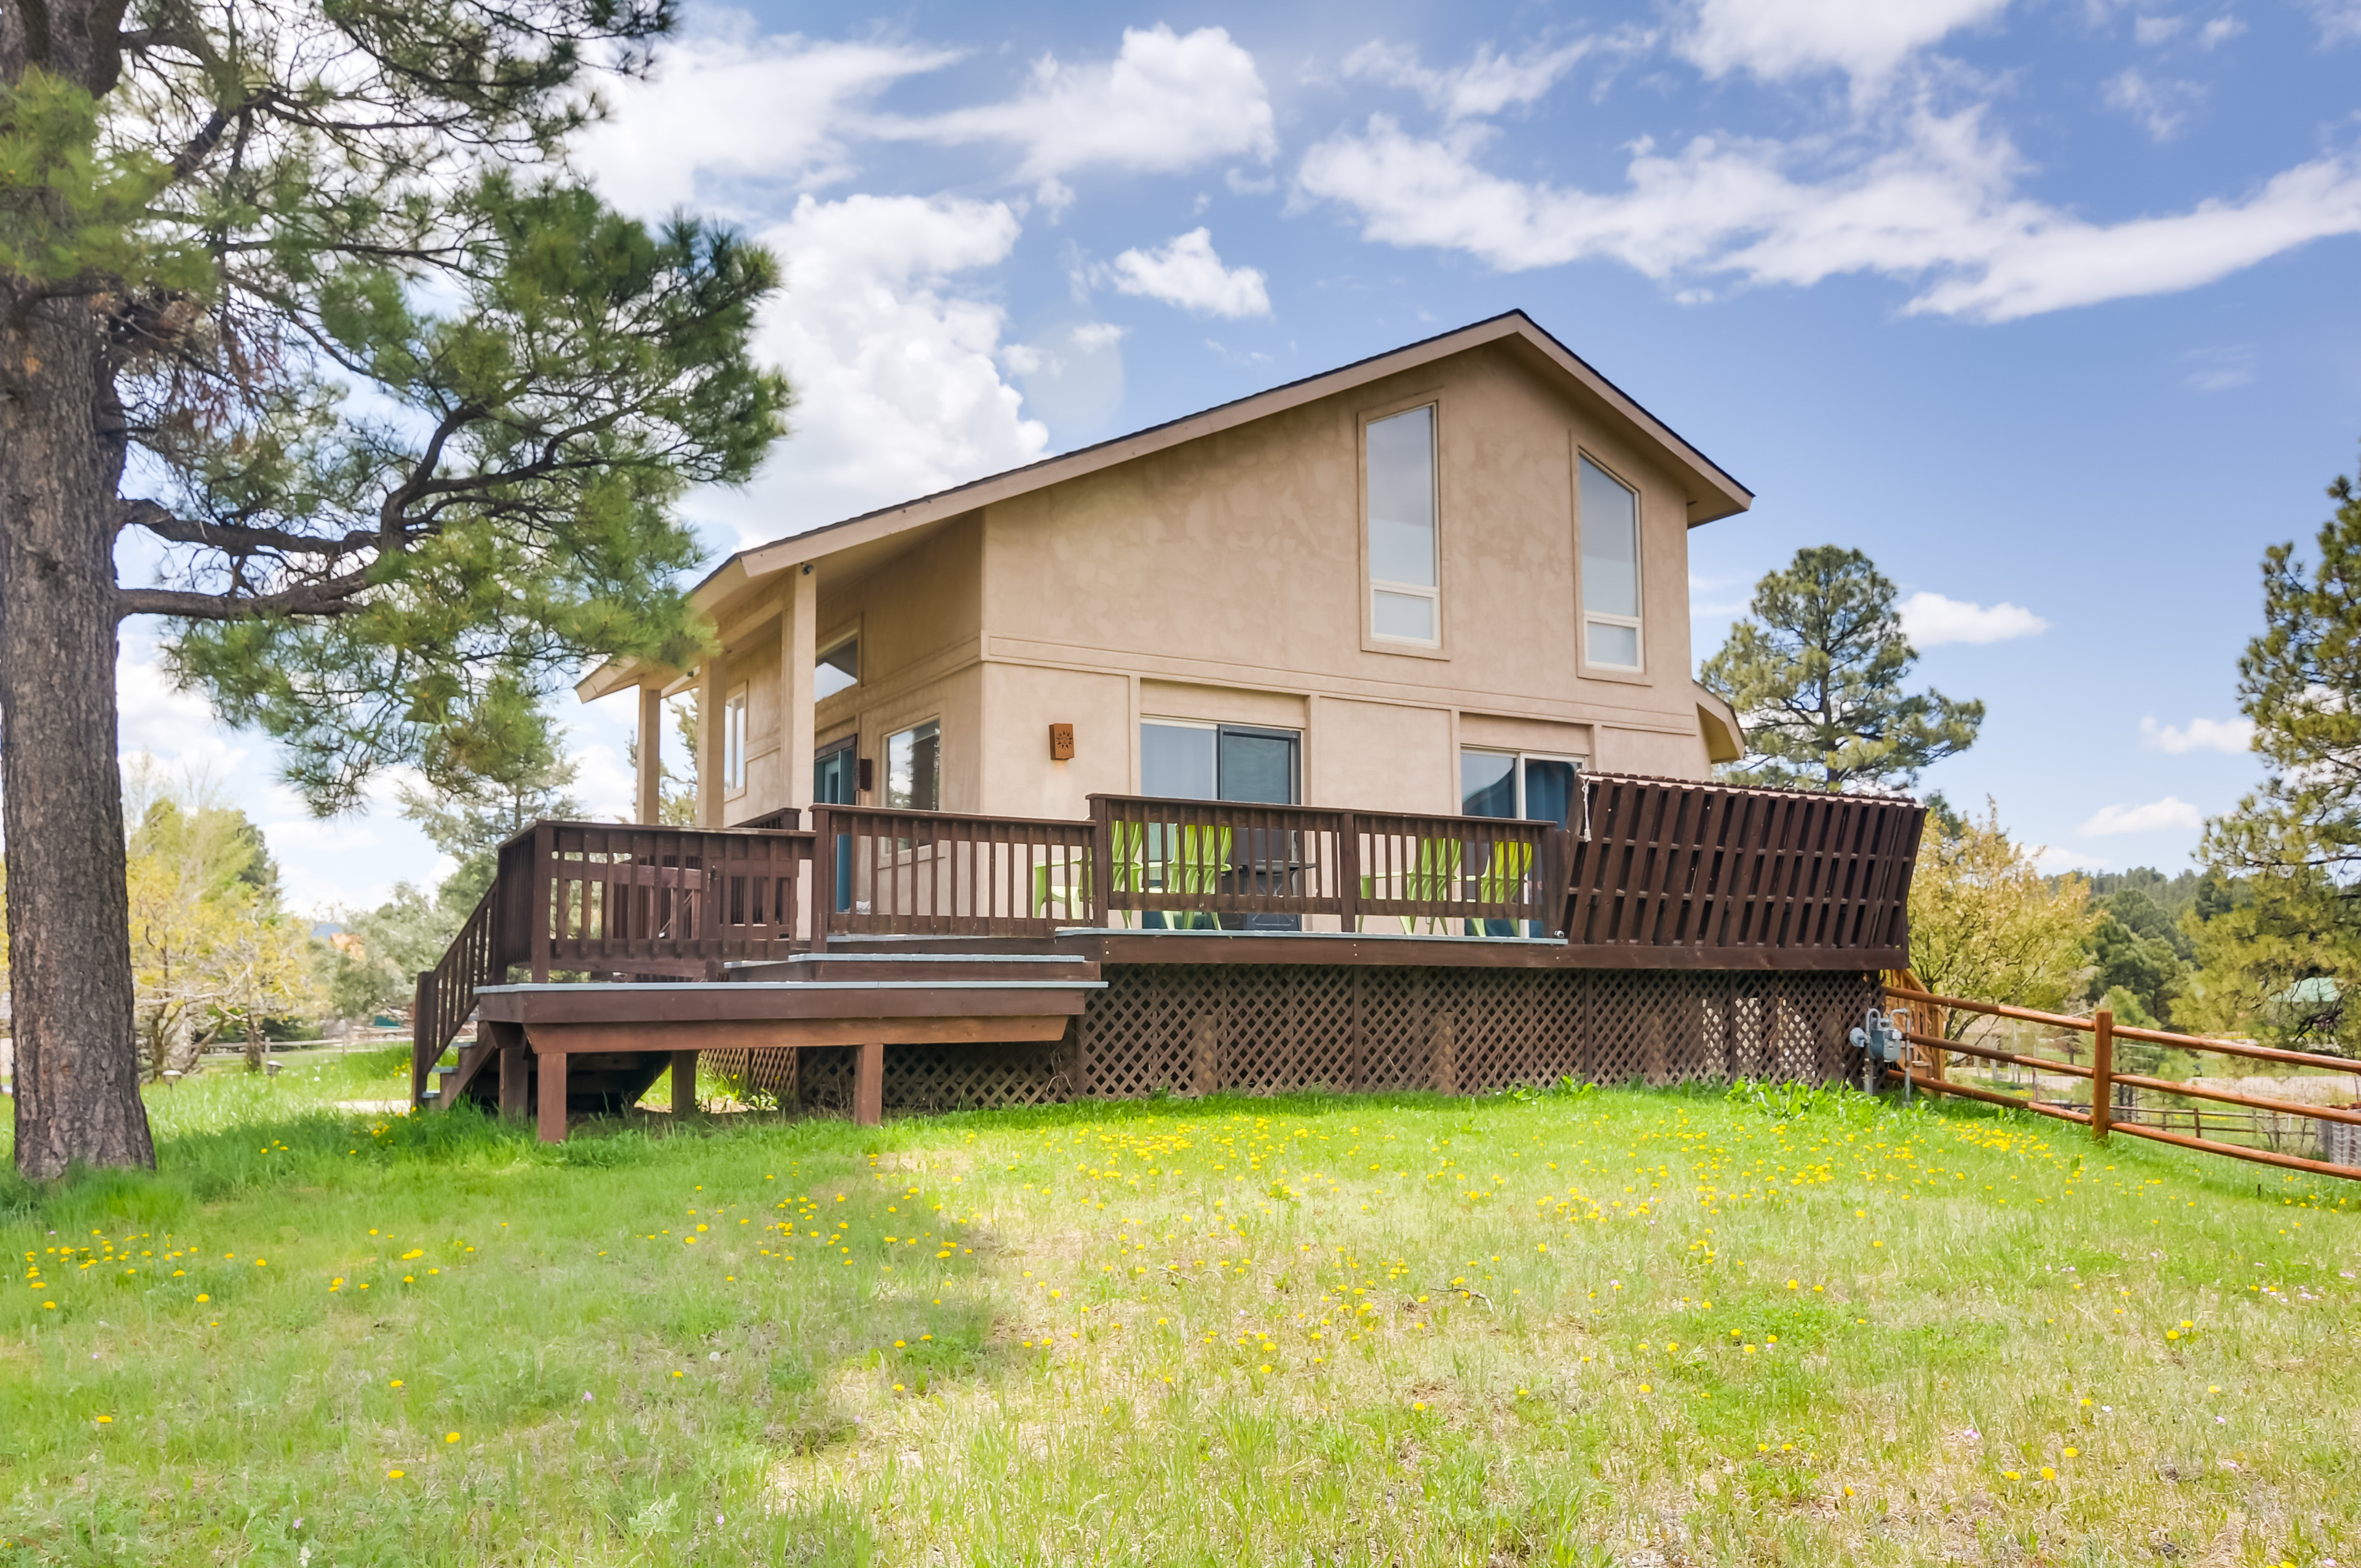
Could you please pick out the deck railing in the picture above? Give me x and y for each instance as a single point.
(942, 874)
(1655, 872)
(1732, 876)
(1240, 866)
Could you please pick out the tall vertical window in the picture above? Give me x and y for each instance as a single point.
(914, 768)
(1610, 570)
(1403, 605)
(733, 741)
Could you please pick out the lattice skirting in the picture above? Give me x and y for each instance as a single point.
(1263, 1028)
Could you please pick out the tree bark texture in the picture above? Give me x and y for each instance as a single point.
(60, 788)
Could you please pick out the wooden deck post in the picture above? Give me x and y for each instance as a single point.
(512, 1075)
(1204, 1054)
(552, 1109)
(869, 1083)
(683, 1084)
(2103, 1073)
(1444, 1061)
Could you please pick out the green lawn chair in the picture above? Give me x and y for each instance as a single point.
(1436, 878)
(1129, 840)
(1503, 881)
(1191, 866)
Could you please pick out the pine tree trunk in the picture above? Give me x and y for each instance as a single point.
(70, 963)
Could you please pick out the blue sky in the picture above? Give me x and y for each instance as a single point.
(2047, 306)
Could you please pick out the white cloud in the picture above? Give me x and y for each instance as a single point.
(1932, 620)
(176, 728)
(2340, 20)
(2050, 861)
(2219, 369)
(2161, 107)
(2220, 30)
(2231, 735)
(1189, 274)
(1780, 38)
(2169, 814)
(1938, 206)
(893, 367)
(1165, 103)
(725, 104)
(2154, 30)
(1488, 83)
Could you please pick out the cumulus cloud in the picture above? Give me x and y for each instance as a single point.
(1775, 39)
(1165, 103)
(1931, 621)
(2170, 814)
(1189, 274)
(1938, 206)
(896, 367)
(2220, 30)
(727, 108)
(2231, 735)
(1489, 82)
(2161, 107)
(176, 728)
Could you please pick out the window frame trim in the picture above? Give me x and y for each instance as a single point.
(1584, 665)
(885, 764)
(1516, 771)
(1369, 585)
(737, 737)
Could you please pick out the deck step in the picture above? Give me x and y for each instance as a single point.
(903, 969)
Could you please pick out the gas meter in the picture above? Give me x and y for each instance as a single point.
(1878, 1037)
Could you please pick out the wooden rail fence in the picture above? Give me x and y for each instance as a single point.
(2101, 1116)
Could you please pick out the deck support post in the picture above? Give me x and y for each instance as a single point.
(512, 1076)
(869, 1083)
(651, 755)
(684, 1084)
(551, 1108)
(1444, 1061)
(1204, 1054)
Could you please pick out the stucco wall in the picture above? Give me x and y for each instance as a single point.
(1237, 559)
(1224, 579)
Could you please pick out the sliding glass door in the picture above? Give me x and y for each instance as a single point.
(1517, 784)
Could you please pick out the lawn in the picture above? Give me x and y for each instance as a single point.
(1623, 1326)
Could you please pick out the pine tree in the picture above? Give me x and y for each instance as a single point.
(416, 406)
(2284, 953)
(1816, 674)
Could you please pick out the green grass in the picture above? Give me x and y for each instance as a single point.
(1548, 1329)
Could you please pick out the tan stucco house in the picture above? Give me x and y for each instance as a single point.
(1438, 580)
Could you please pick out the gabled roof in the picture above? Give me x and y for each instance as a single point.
(1711, 492)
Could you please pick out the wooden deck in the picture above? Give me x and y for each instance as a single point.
(873, 927)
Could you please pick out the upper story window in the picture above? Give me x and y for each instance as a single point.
(1610, 570)
(1404, 606)
(734, 739)
(914, 768)
(837, 668)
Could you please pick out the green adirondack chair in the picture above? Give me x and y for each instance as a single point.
(1503, 881)
(1129, 840)
(1191, 865)
(1435, 878)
